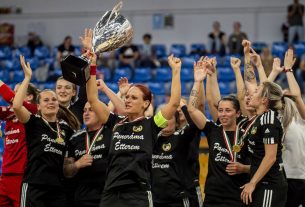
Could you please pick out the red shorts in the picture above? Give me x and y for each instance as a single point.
(10, 186)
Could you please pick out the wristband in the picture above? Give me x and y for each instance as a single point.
(92, 69)
(288, 70)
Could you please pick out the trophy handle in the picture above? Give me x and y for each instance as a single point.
(115, 10)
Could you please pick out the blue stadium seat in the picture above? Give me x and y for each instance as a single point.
(42, 52)
(106, 72)
(5, 53)
(156, 88)
(34, 62)
(179, 50)
(158, 100)
(18, 76)
(12, 65)
(258, 46)
(225, 74)
(163, 74)
(25, 51)
(278, 49)
(121, 72)
(159, 50)
(113, 86)
(224, 88)
(103, 98)
(188, 62)
(5, 77)
(54, 51)
(299, 49)
(49, 85)
(187, 74)
(197, 48)
(78, 50)
(142, 75)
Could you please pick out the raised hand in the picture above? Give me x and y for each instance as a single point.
(235, 63)
(87, 39)
(255, 58)
(174, 62)
(289, 59)
(85, 161)
(277, 65)
(101, 85)
(91, 56)
(26, 67)
(247, 45)
(123, 86)
(200, 71)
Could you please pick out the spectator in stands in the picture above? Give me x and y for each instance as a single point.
(217, 41)
(65, 49)
(267, 60)
(235, 39)
(129, 55)
(34, 41)
(285, 30)
(295, 20)
(147, 54)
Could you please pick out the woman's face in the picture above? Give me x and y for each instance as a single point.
(48, 103)
(256, 99)
(65, 91)
(227, 114)
(247, 99)
(134, 102)
(89, 116)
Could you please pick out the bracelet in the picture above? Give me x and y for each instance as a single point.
(92, 69)
(288, 70)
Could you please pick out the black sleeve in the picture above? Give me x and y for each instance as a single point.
(113, 119)
(30, 125)
(188, 118)
(70, 148)
(271, 128)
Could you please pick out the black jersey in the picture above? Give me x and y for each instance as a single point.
(219, 184)
(45, 151)
(77, 107)
(171, 172)
(95, 174)
(130, 152)
(267, 129)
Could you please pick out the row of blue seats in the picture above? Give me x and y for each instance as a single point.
(179, 50)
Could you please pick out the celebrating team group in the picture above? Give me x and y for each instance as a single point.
(129, 156)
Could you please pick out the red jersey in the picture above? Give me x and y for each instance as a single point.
(15, 149)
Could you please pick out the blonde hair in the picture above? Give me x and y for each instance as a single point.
(278, 102)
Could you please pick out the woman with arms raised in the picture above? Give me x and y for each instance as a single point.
(46, 136)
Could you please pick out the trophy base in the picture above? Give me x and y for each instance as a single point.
(75, 70)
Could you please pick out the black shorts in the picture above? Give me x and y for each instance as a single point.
(181, 203)
(296, 193)
(216, 201)
(195, 197)
(33, 195)
(127, 198)
(88, 196)
(269, 195)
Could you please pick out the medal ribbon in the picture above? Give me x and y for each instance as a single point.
(228, 144)
(252, 120)
(123, 121)
(90, 145)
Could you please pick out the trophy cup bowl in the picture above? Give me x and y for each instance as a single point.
(112, 31)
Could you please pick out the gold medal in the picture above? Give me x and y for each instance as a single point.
(59, 140)
(236, 148)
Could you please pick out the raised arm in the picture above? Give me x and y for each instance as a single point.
(293, 85)
(200, 73)
(116, 102)
(20, 111)
(169, 110)
(276, 69)
(92, 93)
(241, 91)
(249, 75)
(256, 59)
(212, 88)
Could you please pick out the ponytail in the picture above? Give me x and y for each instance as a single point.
(69, 117)
(289, 111)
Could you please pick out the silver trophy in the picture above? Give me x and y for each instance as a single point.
(112, 31)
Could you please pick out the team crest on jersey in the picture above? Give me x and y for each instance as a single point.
(253, 130)
(99, 138)
(137, 128)
(166, 147)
